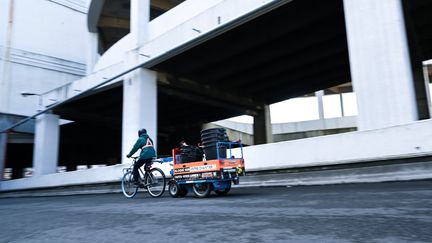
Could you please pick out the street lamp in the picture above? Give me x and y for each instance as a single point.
(25, 94)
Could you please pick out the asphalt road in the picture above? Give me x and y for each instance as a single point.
(382, 212)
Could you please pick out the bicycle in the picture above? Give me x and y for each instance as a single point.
(153, 180)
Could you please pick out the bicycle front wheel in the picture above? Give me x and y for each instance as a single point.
(128, 187)
(155, 182)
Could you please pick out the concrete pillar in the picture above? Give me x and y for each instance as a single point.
(46, 144)
(139, 20)
(3, 149)
(17, 172)
(428, 94)
(341, 105)
(319, 95)
(380, 63)
(262, 127)
(71, 167)
(420, 85)
(139, 87)
(139, 108)
(92, 52)
(4, 123)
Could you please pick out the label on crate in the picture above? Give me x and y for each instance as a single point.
(186, 169)
(196, 168)
(203, 167)
(188, 176)
(207, 174)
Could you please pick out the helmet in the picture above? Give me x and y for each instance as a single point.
(141, 132)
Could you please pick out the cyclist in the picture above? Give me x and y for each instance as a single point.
(145, 143)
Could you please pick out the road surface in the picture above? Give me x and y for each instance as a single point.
(380, 212)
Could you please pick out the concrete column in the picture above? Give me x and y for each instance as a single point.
(17, 172)
(341, 105)
(262, 127)
(3, 149)
(92, 52)
(426, 84)
(380, 63)
(139, 108)
(71, 167)
(420, 86)
(319, 95)
(139, 19)
(46, 144)
(4, 123)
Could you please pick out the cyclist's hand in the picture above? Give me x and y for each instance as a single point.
(128, 156)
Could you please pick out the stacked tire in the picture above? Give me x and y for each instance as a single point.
(210, 138)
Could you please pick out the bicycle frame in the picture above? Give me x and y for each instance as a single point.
(143, 174)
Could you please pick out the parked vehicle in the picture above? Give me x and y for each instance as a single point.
(203, 177)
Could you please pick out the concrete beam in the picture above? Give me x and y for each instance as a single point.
(210, 92)
(206, 100)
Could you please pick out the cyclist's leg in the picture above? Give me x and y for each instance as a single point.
(135, 171)
(148, 163)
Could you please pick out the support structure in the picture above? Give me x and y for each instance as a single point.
(46, 145)
(426, 83)
(92, 52)
(319, 95)
(380, 63)
(421, 83)
(139, 107)
(140, 86)
(139, 20)
(342, 108)
(262, 127)
(3, 149)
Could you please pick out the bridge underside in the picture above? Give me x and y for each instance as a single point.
(291, 51)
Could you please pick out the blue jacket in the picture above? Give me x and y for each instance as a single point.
(144, 142)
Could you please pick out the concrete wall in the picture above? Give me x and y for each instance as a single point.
(82, 177)
(44, 27)
(41, 47)
(403, 141)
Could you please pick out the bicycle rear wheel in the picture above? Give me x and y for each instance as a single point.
(128, 187)
(155, 181)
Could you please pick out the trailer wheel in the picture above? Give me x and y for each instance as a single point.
(224, 191)
(201, 189)
(174, 189)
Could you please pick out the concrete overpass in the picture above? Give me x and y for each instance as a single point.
(202, 62)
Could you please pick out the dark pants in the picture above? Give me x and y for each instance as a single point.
(138, 164)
